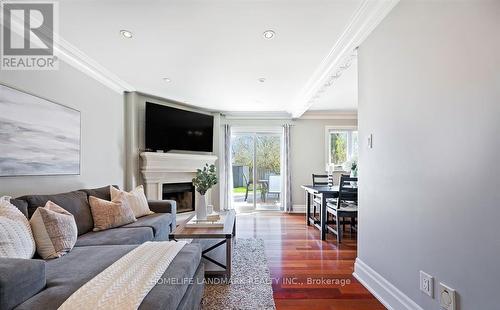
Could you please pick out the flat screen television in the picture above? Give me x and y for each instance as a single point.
(169, 129)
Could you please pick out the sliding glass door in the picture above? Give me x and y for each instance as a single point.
(256, 157)
(268, 171)
(242, 149)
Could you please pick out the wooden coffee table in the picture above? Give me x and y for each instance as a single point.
(217, 259)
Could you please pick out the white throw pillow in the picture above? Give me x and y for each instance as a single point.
(16, 237)
(136, 200)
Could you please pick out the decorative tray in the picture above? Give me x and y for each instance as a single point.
(195, 223)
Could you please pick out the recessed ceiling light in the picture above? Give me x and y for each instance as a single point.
(167, 80)
(126, 34)
(268, 34)
(262, 80)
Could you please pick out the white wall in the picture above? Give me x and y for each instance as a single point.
(135, 135)
(429, 197)
(307, 140)
(102, 149)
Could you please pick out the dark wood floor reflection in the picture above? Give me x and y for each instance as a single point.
(307, 273)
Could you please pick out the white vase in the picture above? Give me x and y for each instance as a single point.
(201, 207)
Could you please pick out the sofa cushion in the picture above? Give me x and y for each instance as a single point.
(75, 203)
(159, 222)
(19, 280)
(172, 286)
(116, 236)
(101, 192)
(194, 293)
(68, 273)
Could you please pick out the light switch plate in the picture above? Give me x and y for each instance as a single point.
(427, 284)
(370, 141)
(447, 299)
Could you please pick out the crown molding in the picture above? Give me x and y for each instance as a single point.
(68, 53)
(277, 115)
(175, 103)
(368, 15)
(79, 60)
(350, 115)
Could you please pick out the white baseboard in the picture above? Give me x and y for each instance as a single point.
(383, 290)
(298, 209)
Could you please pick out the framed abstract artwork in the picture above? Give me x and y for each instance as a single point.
(37, 136)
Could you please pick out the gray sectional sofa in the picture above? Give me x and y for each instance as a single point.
(40, 284)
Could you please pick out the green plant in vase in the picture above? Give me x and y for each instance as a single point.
(205, 179)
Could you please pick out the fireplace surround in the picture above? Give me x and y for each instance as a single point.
(159, 169)
(182, 193)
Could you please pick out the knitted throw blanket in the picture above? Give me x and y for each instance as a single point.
(125, 283)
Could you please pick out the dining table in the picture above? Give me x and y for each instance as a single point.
(325, 192)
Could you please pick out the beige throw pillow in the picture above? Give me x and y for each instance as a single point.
(16, 238)
(109, 214)
(54, 230)
(136, 199)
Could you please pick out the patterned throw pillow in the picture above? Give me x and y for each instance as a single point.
(136, 199)
(109, 214)
(54, 229)
(16, 238)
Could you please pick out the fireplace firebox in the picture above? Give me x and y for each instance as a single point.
(182, 193)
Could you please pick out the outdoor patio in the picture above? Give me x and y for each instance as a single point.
(270, 202)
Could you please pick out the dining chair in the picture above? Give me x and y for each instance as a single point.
(321, 180)
(274, 185)
(318, 180)
(345, 206)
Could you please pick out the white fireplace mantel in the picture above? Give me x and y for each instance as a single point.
(163, 168)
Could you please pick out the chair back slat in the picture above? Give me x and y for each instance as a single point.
(348, 189)
(320, 179)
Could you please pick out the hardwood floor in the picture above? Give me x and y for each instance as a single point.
(307, 273)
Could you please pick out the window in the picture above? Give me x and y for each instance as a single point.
(342, 145)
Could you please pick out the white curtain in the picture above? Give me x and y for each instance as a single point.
(227, 182)
(287, 170)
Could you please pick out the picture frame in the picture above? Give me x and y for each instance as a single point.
(38, 137)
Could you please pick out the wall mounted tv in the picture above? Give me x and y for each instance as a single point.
(171, 129)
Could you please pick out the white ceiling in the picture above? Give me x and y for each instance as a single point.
(213, 50)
